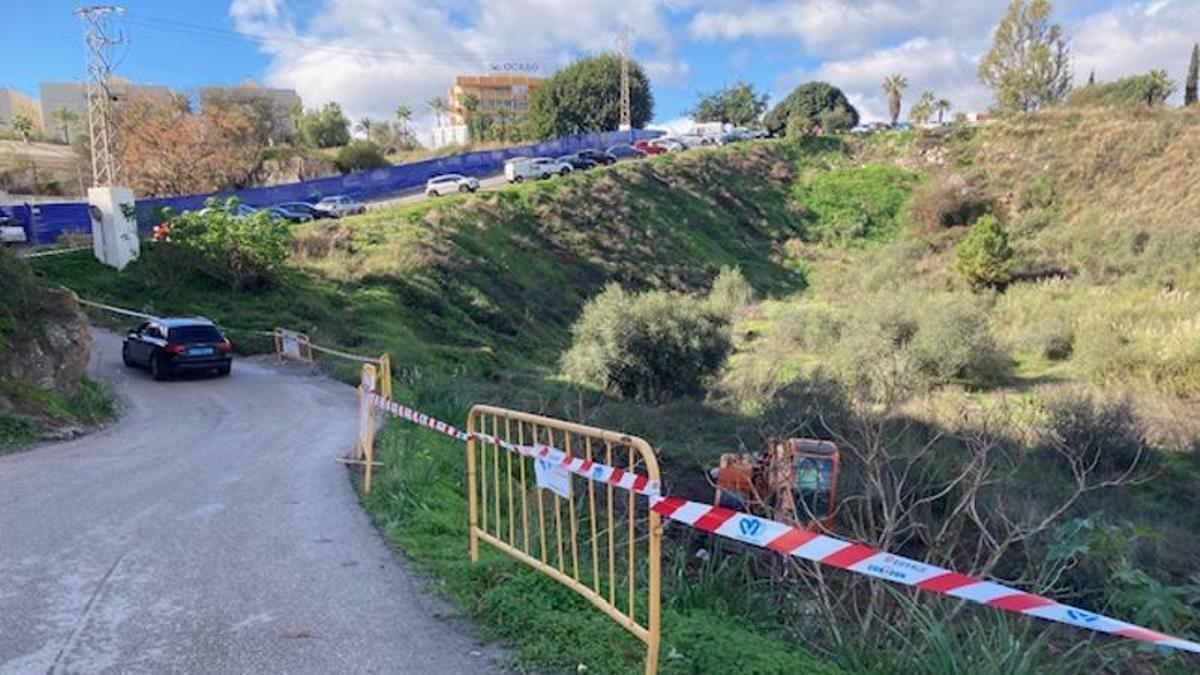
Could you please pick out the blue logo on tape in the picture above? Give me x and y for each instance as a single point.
(749, 526)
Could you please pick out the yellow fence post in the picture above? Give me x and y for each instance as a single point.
(511, 531)
(385, 376)
(366, 423)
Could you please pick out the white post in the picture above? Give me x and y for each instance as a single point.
(114, 226)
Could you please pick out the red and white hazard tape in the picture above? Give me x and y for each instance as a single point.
(869, 561)
(799, 543)
(593, 471)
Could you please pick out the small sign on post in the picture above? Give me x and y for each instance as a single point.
(290, 344)
(553, 477)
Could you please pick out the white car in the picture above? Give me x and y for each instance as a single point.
(537, 168)
(451, 182)
(672, 144)
(11, 231)
(340, 205)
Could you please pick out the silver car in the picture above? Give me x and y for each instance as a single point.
(340, 205)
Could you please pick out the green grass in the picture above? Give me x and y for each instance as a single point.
(418, 502)
(38, 409)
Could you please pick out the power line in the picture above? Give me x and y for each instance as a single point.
(315, 44)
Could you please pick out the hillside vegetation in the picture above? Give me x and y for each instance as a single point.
(1041, 418)
(44, 343)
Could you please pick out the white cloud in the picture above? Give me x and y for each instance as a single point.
(1135, 39)
(372, 55)
(844, 27)
(937, 65)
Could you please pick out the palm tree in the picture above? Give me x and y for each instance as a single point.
(364, 125)
(894, 86)
(470, 104)
(403, 115)
(1161, 87)
(942, 106)
(439, 107)
(22, 125)
(65, 118)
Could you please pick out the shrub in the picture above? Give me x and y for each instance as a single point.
(947, 200)
(359, 155)
(241, 252)
(649, 347)
(984, 257)
(953, 342)
(852, 203)
(731, 295)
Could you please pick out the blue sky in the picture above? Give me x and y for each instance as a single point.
(371, 55)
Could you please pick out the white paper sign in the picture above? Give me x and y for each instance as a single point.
(290, 341)
(552, 477)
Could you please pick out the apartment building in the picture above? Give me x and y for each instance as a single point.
(281, 101)
(493, 92)
(73, 97)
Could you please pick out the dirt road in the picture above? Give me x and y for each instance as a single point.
(210, 530)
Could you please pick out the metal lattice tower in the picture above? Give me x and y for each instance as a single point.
(100, 40)
(625, 42)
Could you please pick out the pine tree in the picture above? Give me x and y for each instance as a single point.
(1190, 90)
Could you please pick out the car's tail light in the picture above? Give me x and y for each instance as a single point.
(175, 350)
(225, 346)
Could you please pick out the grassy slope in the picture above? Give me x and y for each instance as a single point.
(488, 285)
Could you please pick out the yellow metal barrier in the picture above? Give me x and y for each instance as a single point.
(595, 552)
(290, 344)
(385, 376)
(364, 451)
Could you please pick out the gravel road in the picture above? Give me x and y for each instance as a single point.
(211, 530)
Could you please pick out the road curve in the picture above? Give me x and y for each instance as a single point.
(210, 530)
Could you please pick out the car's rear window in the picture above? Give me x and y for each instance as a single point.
(186, 335)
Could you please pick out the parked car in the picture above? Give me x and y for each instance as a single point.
(450, 182)
(689, 141)
(648, 148)
(623, 151)
(305, 207)
(338, 206)
(577, 162)
(240, 210)
(170, 346)
(598, 156)
(11, 231)
(517, 170)
(291, 213)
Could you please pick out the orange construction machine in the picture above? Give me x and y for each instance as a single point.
(793, 481)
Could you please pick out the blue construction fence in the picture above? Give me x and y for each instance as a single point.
(45, 223)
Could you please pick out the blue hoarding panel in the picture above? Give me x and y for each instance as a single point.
(49, 221)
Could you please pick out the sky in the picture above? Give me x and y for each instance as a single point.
(373, 55)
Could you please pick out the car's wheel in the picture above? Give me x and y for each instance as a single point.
(158, 368)
(518, 179)
(223, 371)
(545, 176)
(474, 188)
(564, 171)
(431, 193)
(464, 188)
(126, 358)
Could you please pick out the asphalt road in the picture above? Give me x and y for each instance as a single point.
(210, 530)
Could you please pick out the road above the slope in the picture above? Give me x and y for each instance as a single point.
(210, 530)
